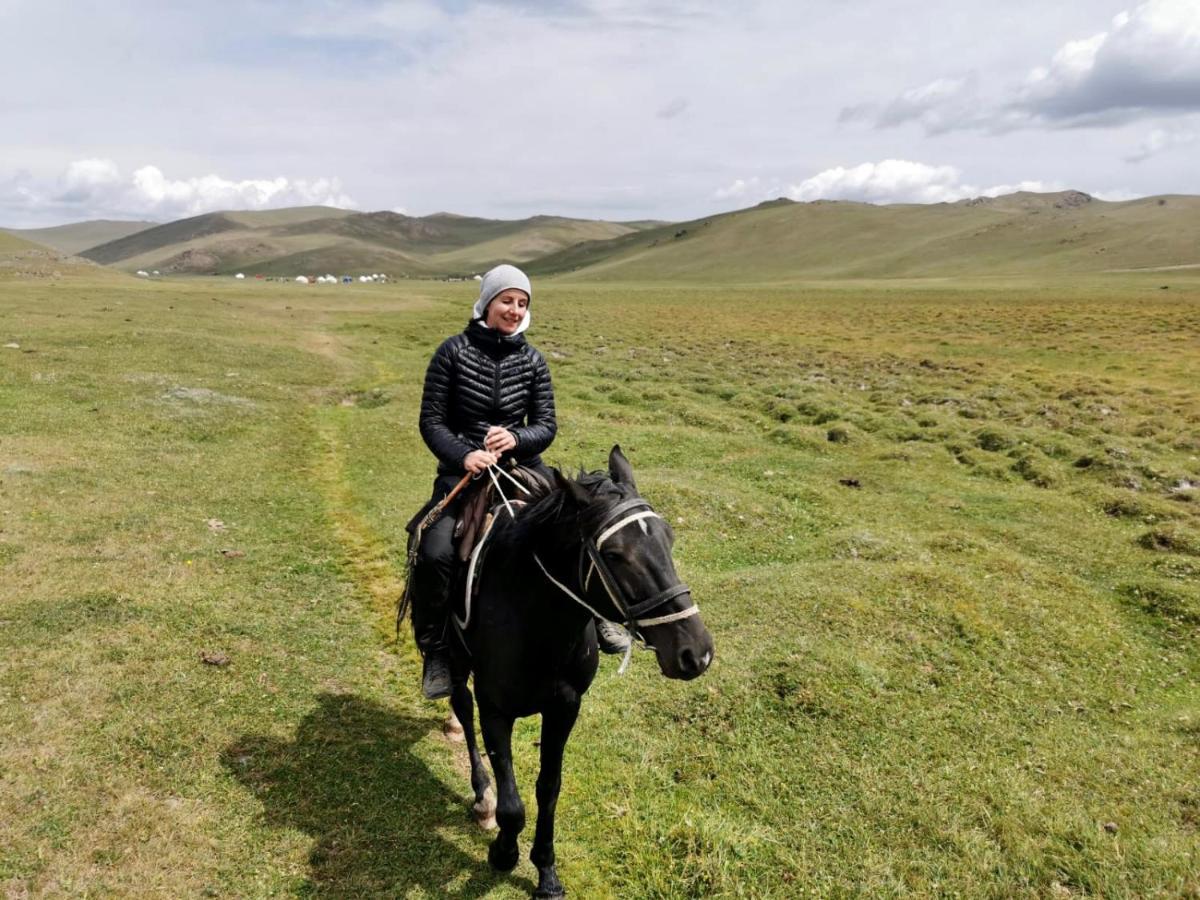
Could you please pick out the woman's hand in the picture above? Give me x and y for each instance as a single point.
(478, 461)
(498, 440)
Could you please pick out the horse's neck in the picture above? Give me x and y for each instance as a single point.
(556, 549)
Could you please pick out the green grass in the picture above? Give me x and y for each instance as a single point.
(1032, 235)
(308, 240)
(80, 235)
(943, 682)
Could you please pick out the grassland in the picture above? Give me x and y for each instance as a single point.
(945, 533)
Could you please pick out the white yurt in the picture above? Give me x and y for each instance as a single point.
(239, 276)
(300, 279)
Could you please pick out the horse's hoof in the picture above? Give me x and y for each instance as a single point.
(548, 884)
(500, 859)
(484, 810)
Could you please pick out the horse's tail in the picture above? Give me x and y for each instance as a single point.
(405, 599)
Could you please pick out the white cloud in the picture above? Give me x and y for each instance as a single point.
(940, 106)
(85, 177)
(676, 107)
(888, 181)
(95, 188)
(1146, 63)
(1164, 139)
(739, 189)
(1117, 195)
(507, 108)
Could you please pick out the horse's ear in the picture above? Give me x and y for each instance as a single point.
(573, 489)
(619, 468)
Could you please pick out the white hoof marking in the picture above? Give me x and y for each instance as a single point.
(485, 810)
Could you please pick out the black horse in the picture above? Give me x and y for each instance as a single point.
(590, 545)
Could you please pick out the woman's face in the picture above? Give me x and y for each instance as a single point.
(507, 310)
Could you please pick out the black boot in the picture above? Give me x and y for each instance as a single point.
(431, 607)
(435, 674)
(611, 637)
(429, 628)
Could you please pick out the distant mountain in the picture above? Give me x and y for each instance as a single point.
(79, 236)
(779, 240)
(319, 239)
(1021, 233)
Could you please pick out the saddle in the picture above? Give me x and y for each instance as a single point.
(476, 507)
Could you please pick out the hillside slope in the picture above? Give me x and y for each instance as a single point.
(1020, 233)
(21, 259)
(319, 239)
(79, 236)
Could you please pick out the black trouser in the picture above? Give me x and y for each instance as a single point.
(436, 561)
(433, 571)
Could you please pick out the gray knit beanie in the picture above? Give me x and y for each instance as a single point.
(500, 279)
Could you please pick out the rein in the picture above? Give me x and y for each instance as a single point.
(625, 513)
(630, 610)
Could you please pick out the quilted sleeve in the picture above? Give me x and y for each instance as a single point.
(540, 423)
(447, 446)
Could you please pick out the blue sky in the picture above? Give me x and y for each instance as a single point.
(593, 108)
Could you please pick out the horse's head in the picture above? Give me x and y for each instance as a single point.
(626, 569)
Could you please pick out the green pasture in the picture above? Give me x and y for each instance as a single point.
(946, 534)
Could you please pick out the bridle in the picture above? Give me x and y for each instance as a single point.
(591, 560)
(631, 611)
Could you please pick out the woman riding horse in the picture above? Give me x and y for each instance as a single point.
(487, 397)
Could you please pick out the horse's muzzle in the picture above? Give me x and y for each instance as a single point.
(684, 649)
(689, 665)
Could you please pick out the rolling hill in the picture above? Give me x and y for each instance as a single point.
(79, 236)
(320, 239)
(777, 241)
(1022, 233)
(22, 259)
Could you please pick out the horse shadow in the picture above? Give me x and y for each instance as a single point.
(383, 824)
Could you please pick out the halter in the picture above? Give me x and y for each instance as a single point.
(589, 551)
(629, 609)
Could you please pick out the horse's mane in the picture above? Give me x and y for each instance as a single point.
(550, 509)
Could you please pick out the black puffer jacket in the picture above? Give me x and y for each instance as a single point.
(481, 378)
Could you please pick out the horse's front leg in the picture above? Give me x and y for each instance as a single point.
(557, 722)
(510, 811)
(485, 800)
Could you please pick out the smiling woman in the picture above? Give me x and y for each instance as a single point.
(487, 399)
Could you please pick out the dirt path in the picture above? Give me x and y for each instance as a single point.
(369, 557)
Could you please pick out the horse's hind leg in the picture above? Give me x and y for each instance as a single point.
(557, 723)
(510, 811)
(484, 808)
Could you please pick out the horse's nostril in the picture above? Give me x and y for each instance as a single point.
(687, 660)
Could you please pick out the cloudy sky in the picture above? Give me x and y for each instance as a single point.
(599, 108)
